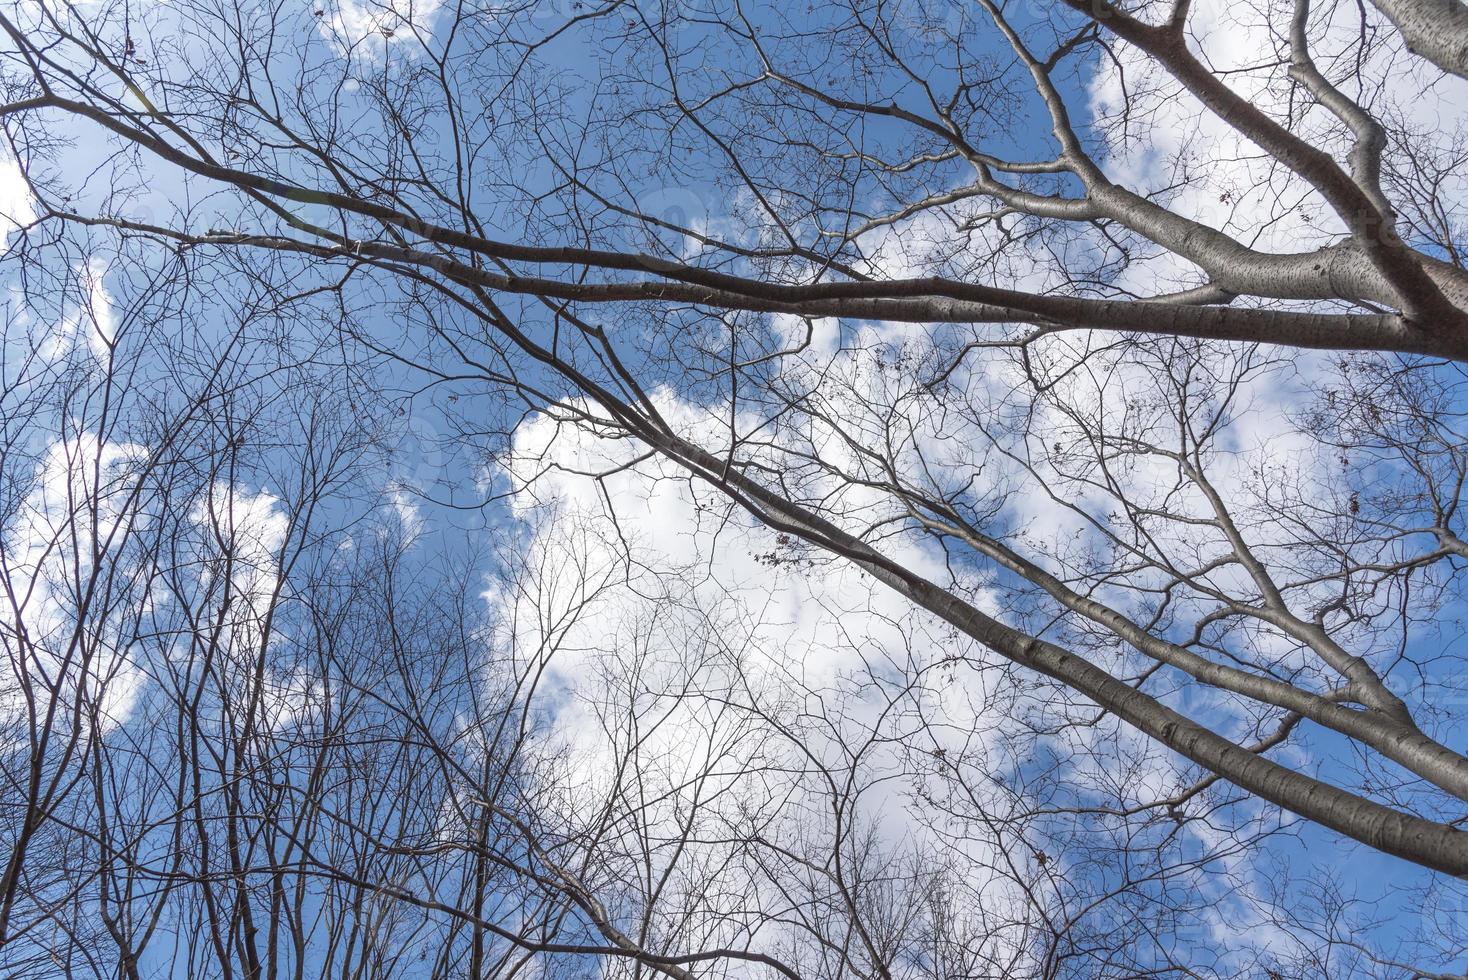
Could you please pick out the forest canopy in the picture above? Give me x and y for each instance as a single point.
(843, 490)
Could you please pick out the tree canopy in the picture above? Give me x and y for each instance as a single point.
(946, 488)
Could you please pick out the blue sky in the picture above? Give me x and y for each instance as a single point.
(448, 451)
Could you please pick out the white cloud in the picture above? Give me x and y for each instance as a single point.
(243, 532)
(78, 515)
(243, 535)
(368, 28)
(90, 321)
(17, 208)
(707, 677)
(714, 611)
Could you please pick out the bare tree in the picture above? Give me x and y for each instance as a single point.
(1120, 343)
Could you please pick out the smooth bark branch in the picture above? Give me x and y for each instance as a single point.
(1372, 231)
(1435, 29)
(1399, 740)
(932, 300)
